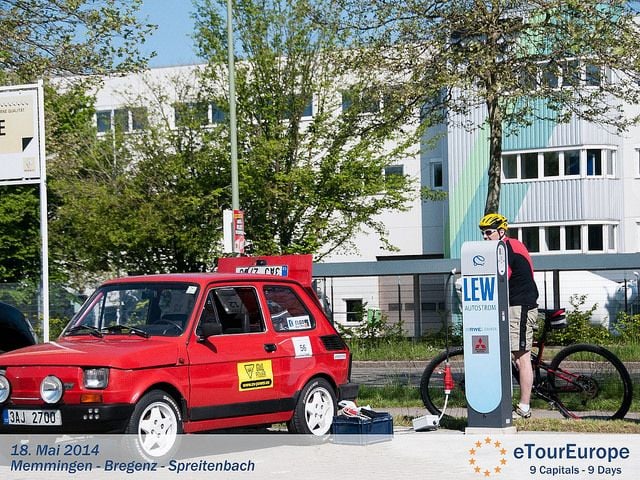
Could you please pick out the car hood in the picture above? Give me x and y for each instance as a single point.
(15, 329)
(118, 351)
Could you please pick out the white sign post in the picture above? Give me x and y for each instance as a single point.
(22, 160)
(485, 322)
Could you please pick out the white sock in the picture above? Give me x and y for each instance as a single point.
(524, 407)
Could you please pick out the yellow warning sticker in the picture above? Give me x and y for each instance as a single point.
(255, 375)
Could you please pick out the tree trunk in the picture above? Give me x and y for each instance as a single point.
(494, 120)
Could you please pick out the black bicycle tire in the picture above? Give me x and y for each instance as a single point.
(611, 358)
(425, 380)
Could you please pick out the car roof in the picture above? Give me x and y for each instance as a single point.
(199, 278)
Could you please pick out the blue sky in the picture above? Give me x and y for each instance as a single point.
(171, 40)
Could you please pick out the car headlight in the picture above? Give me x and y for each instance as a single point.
(96, 378)
(5, 388)
(51, 389)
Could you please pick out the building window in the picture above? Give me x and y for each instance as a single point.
(393, 170)
(103, 120)
(551, 164)
(594, 162)
(294, 106)
(610, 156)
(354, 308)
(559, 163)
(529, 165)
(193, 114)
(572, 237)
(550, 75)
(552, 236)
(593, 75)
(595, 240)
(218, 115)
(436, 174)
(122, 119)
(366, 101)
(510, 166)
(531, 238)
(139, 118)
(571, 73)
(611, 240)
(571, 162)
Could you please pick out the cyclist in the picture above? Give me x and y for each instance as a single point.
(523, 304)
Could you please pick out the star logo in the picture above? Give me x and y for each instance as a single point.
(487, 457)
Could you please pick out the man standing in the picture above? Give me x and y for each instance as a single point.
(523, 304)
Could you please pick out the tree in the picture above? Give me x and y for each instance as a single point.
(307, 184)
(144, 201)
(62, 37)
(57, 38)
(520, 61)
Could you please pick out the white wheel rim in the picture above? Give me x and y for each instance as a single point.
(157, 429)
(319, 411)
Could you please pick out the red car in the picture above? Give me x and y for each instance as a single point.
(160, 355)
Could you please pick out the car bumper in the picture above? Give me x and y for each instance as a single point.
(89, 418)
(348, 391)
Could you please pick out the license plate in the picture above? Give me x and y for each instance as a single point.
(278, 270)
(31, 417)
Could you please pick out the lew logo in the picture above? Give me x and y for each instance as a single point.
(479, 289)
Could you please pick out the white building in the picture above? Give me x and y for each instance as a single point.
(566, 188)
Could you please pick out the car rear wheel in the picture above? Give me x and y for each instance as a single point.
(315, 409)
(155, 425)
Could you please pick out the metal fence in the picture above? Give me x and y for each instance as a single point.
(421, 294)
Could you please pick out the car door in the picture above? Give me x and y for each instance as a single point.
(232, 374)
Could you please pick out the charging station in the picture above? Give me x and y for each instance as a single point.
(485, 331)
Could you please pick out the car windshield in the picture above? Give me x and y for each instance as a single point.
(145, 309)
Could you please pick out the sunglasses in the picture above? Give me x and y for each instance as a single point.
(488, 232)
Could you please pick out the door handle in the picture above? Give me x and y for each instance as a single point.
(270, 347)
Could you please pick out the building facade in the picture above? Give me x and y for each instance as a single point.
(566, 188)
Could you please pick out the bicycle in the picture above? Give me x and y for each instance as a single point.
(581, 381)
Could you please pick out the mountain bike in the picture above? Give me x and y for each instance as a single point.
(581, 380)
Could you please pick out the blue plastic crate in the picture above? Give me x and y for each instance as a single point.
(362, 431)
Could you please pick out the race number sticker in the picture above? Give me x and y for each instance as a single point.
(299, 323)
(255, 375)
(302, 347)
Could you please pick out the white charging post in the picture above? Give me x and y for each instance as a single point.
(485, 325)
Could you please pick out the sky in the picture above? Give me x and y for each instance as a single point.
(172, 39)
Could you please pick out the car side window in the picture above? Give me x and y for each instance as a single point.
(236, 308)
(287, 311)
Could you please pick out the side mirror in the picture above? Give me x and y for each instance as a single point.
(209, 329)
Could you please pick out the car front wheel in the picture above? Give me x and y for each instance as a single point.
(155, 425)
(315, 409)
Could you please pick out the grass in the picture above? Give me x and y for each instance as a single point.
(425, 349)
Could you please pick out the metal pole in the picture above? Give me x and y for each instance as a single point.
(44, 232)
(235, 197)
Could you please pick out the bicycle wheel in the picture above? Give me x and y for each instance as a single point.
(588, 381)
(432, 385)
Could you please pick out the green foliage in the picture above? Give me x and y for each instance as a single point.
(20, 239)
(627, 328)
(455, 58)
(579, 327)
(373, 331)
(45, 38)
(56, 325)
(307, 185)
